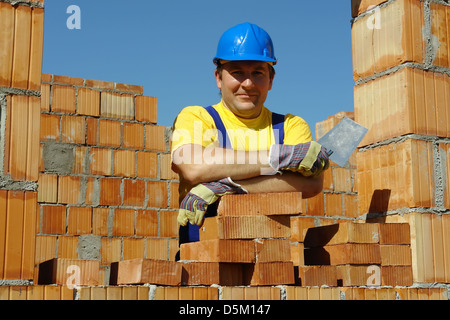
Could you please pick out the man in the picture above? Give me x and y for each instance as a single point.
(238, 145)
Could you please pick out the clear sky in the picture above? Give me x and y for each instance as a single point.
(167, 46)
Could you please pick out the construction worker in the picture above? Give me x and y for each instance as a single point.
(238, 145)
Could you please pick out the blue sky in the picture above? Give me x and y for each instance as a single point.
(168, 46)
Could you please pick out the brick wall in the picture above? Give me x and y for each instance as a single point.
(402, 92)
(106, 191)
(21, 43)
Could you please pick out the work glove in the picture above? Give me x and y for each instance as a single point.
(310, 159)
(194, 205)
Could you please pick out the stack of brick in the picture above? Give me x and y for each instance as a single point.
(357, 254)
(21, 47)
(402, 72)
(247, 243)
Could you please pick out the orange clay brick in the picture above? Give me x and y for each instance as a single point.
(139, 271)
(285, 203)
(99, 84)
(147, 223)
(271, 250)
(155, 139)
(124, 163)
(133, 135)
(112, 293)
(251, 293)
(168, 223)
(132, 88)
(18, 212)
(398, 175)
(157, 194)
(123, 222)
(115, 105)
(239, 251)
(50, 127)
(146, 109)
(48, 188)
(158, 248)
(395, 255)
(67, 247)
(69, 272)
(109, 133)
(67, 80)
(147, 164)
(110, 250)
(358, 275)
(133, 248)
(27, 64)
(165, 164)
(134, 193)
(444, 150)
(69, 189)
(333, 204)
(186, 293)
(100, 161)
(174, 195)
(350, 205)
(63, 99)
(110, 191)
(53, 219)
(88, 102)
(269, 273)
(209, 273)
(344, 232)
(299, 226)
(394, 233)
(7, 26)
(79, 220)
(396, 276)
(45, 248)
(440, 28)
(349, 253)
(407, 101)
(245, 227)
(45, 97)
(361, 6)
(309, 276)
(388, 38)
(22, 137)
(92, 131)
(315, 206)
(72, 129)
(100, 221)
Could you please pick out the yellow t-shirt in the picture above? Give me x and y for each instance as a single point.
(194, 125)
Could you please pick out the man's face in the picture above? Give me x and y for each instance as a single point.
(244, 86)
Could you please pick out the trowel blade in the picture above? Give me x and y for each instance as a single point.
(342, 140)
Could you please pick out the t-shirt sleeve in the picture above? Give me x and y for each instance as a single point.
(297, 130)
(193, 125)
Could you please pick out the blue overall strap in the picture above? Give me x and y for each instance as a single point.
(224, 140)
(278, 127)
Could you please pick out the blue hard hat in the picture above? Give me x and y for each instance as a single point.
(245, 41)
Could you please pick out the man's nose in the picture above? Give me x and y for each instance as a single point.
(248, 82)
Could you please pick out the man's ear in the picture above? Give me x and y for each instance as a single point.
(218, 79)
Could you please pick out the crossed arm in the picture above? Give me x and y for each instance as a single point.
(196, 164)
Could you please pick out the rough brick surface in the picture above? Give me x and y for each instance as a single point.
(242, 251)
(350, 253)
(139, 271)
(286, 203)
(245, 227)
(69, 272)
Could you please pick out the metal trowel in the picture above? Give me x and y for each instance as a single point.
(342, 140)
